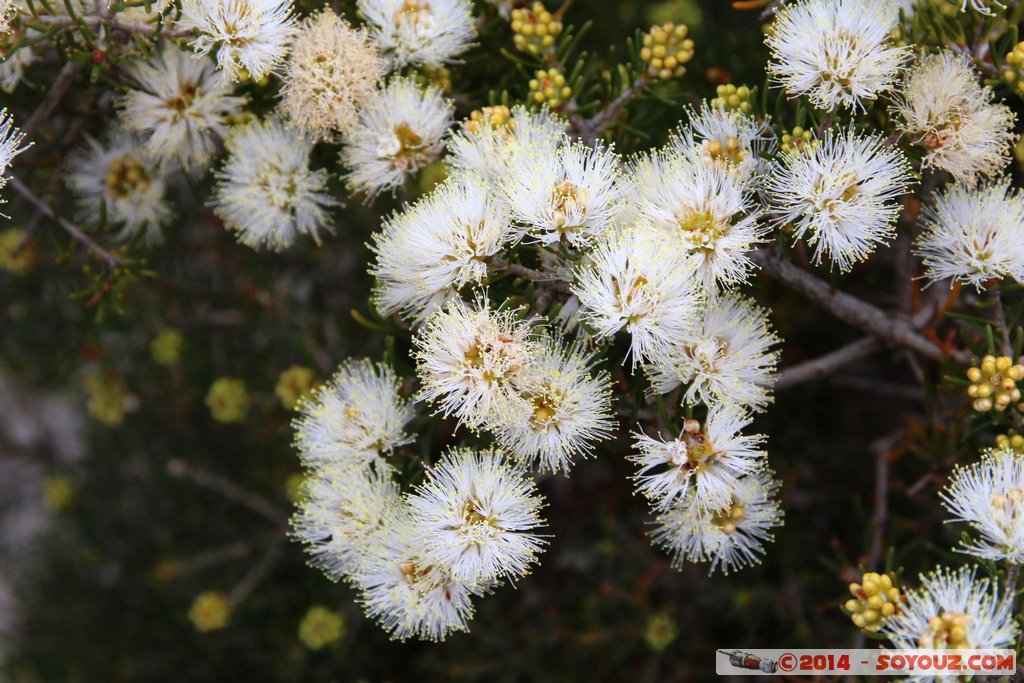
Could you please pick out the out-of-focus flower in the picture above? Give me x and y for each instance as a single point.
(179, 106)
(166, 347)
(210, 611)
(108, 397)
(321, 627)
(17, 256)
(293, 384)
(266, 191)
(58, 493)
(228, 400)
(117, 181)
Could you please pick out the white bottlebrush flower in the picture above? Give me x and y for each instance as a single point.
(266, 192)
(730, 358)
(729, 140)
(11, 138)
(486, 146)
(249, 37)
(179, 107)
(974, 235)
(475, 515)
(837, 53)
(943, 108)
(989, 495)
(705, 208)
(730, 538)
(467, 357)
(8, 10)
(639, 283)
(427, 253)
(400, 130)
(841, 195)
(341, 511)
(115, 180)
(563, 408)
(406, 594)
(700, 467)
(420, 32)
(953, 610)
(354, 418)
(571, 194)
(333, 69)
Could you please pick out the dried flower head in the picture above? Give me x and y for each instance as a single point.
(333, 69)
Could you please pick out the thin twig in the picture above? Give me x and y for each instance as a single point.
(230, 490)
(1005, 347)
(823, 366)
(882, 447)
(54, 95)
(114, 23)
(259, 571)
(68, 227)
(590, 129)
(850, 309)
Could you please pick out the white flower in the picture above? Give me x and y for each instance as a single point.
(474, 515)
(730, 538)
(249, 37)
(841, 195)
(405, 593)
(569, 194)
(13, 67)
(989, 495)
(467, 356)
(563, 409)
(982, 6)
(354, 418)
(333, 69)
(420, 32)
(488, 145)
(179, 107)
(8, 10)
(639, 283)
(266, 191)
(953, 610)
(117, 181)
(427, 253)
(705, 208)
(340, 513)
(11, 138)
(838, 53)
(729, 140)
(974, 235)
(944, 109)
(400, 130)
(730, 358)
(707, 461)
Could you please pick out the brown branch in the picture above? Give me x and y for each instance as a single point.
(1005, 347)
(68, 227)
(850, 309)
(824, 366)
(231, 491)
(115, 24)
(54, 95)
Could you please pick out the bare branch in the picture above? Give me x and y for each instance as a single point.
(850, 309)
(823, 366)
(231, 491)
(590, 129)
(54, 95)
(115, 24)
(68, 227)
